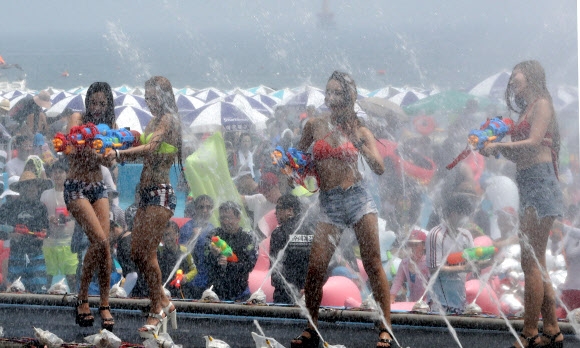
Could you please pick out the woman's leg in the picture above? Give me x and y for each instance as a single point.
(148, 230)
(98, 252)
(367, 234)
(101, 208)
(324, 243)
(538, 292)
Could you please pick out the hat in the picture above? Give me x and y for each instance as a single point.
(11, 180)
(38, 140)
(29, 178)
(42, 99)
(417, 236)
(5, 104)
(267, 182)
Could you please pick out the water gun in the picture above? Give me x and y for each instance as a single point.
(5, 230)
(473, 254)
(77, 137)
(492, 130)
(176, 282)
(226, 250)
(294, 163)
(119, 139)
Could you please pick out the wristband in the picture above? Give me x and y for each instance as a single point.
(116, 153)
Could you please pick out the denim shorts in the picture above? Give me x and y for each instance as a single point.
(161, 195)
(539, 188)
(76, 189)
(345, 207)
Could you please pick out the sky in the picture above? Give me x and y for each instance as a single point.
(435, 38)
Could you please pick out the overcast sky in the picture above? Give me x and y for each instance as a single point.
(502, 32)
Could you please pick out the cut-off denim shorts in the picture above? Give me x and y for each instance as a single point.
(539, 188)
(345, 207)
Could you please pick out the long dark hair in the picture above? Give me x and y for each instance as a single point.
(536, 83)
(349, 89)
(109, 117)
(164, 92)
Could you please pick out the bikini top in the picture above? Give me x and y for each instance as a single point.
(163, 148)
(345, 152)
(521, 131)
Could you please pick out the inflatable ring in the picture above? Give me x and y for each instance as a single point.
(421, 172)
(425, 125)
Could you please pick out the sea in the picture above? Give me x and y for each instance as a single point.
(233, 58)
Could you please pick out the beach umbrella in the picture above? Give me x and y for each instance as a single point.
(130, 100)
(407, 97)
(124, 89)
(132, 117)
(209, 94)
(384, 109)
(186, 103)
(56, 97)
(283, 95)
(385, 92)
(492, 87)
(15, 100)
(214, 116)
(261, 89)
(444, 102)
(186, 91)
(247, 103)
(563, 96)
(310, 96)
(74, 102)
(13, 94)
(238, 90)
(266, 100)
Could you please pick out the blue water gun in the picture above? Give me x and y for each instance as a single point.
(492, 130)
(294, 163)
(119, 139)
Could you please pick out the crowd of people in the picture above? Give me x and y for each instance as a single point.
(61, 216)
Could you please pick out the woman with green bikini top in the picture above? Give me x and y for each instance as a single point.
(160, 147)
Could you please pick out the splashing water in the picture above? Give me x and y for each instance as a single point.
(129, 53)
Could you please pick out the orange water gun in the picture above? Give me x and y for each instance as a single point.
(473, 254)
(22, 229)
(176, 282)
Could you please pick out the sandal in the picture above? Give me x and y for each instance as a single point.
(388, 341)
(106, 323)
(531, 341)
(171, 314)
(83, 319)
(152, 331)
(552, 338)
(306, 342)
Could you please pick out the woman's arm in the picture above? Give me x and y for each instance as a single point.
(365, 142)
(307, 135)
(152, 146)
(540, 118)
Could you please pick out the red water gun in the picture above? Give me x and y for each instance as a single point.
(225, 249)
(294, 163)
(77, 137)
(22, 229)
(176, 282)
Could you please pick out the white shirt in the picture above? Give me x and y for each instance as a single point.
(15, 167)
(58, 235)
(259, 205)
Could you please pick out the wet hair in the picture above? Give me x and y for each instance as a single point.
(289, 201)
(457, 203)
(233, 206)
(349, 90)
(21, 139)
(164, 92)
(348, 85)
(61, 163)
(109, 117)
(190, 207)
(536, 83)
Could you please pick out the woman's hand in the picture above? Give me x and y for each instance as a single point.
(490, 149)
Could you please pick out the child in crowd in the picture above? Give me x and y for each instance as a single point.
(449, 236)
(29, 217)
(56, 247)
(413, 269)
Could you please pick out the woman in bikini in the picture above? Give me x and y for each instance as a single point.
(160, 148)
(85, 195)
(338, 141)
(534, 147)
